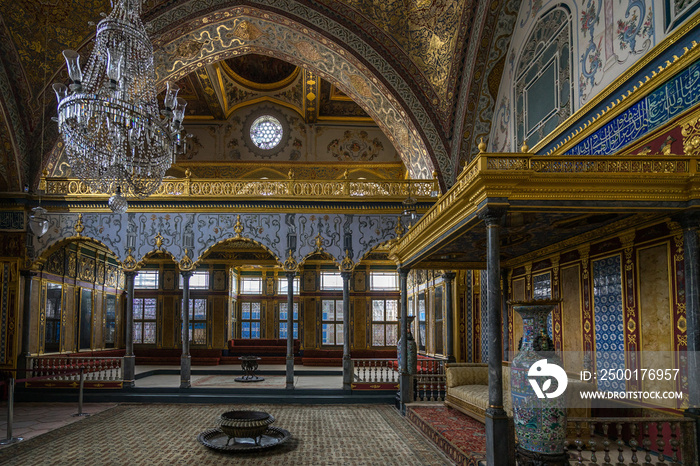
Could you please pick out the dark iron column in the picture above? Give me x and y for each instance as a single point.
(449, 277)
(129, 358)
(690, 222)
(24, 355)
(185, 360)
(497, 435)
(290, 329)
(347, 361)
(405, 381)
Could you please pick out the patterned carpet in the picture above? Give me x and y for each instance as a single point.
(160, 434)
(211, 381)
(462, 438)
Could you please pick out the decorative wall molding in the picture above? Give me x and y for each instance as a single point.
(188, 237)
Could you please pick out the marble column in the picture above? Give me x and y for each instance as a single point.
(347, 361)
(405, 378)
(185, 359)
(290, 330)
(129, 358)
(690, 223)
(25, 354)
(449, 277)
(497, 435)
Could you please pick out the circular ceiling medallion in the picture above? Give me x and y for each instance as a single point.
(266, 132)
(260, 72)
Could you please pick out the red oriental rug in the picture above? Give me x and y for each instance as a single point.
(459, 436)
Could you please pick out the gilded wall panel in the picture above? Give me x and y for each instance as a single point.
(170, 279)
(655, 316)
(312, 322)
(219, 320)
(86, 269)
(219, 280)
(171, 313)
(360, 281)
(571, 313)
(361, 309)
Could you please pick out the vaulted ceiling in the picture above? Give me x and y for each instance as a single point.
(425, 71)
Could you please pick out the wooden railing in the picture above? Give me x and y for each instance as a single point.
(375, 371)
(96, 369)
(635, 440)
(431, 366)
(429, 387)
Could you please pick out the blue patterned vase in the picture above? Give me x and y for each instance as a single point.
(540, 421)
(412, 358)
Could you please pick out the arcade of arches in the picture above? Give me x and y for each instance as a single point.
(360, 171)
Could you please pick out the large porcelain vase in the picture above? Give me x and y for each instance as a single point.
(540, 421)
(412, 359)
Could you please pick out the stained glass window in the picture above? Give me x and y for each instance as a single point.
(198, 321)
(266, 132)
(283, 320)
(332, 326)
(384, 322)
(250, 320)
(144, 320)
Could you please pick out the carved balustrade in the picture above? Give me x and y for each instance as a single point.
(634, 440)
(60, 368)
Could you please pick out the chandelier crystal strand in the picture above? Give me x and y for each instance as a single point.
(115, 136)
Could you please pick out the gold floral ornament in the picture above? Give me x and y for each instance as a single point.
(238, 227)
(347, 264)
(319, 242)
(290, 264)
(78, 227)
(186, 263)
(691, 137)
(159, 241)
(307, 50)
(129, 262)
(246, 31)
(399, 230)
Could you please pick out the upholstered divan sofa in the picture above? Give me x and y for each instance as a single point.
(260, 347)
(468, 391)
(334, 358)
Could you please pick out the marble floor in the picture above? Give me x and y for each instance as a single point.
(305, 377)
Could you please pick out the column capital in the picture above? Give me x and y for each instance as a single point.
(346, 274)
(28, 273)
(492, 215)
(130, 273)
(403, 271)
(449, 276)
(186, 273)
(290, 274)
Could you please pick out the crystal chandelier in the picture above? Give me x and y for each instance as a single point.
(116, 140)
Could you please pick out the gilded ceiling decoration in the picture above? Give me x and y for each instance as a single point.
(227, 38)
(403, 60)
(428, 31)
(260, 72)
(481, 94)
(335, 104)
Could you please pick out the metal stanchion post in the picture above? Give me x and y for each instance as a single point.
(10, 412)
(80, 395)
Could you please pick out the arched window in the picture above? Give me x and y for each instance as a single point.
(543, 85)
